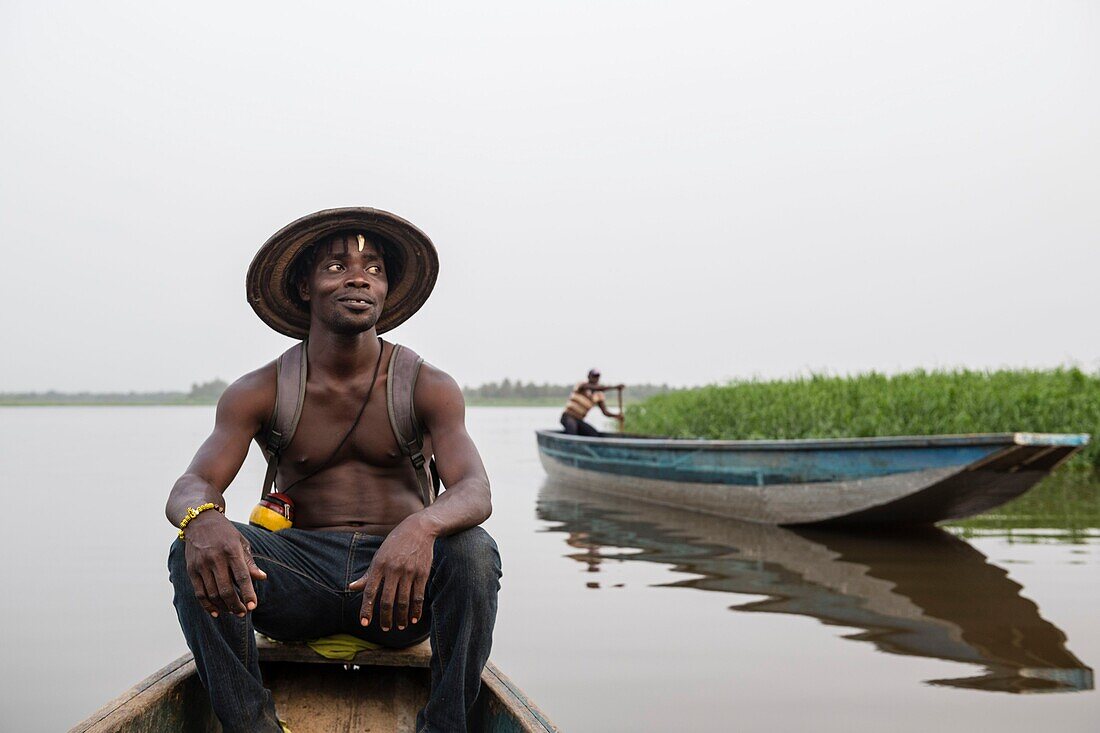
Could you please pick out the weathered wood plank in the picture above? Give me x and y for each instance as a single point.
(413, 656)
(332, 699)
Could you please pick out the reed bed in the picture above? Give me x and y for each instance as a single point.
(914, 403)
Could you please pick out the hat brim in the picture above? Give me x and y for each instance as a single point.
(270, 291)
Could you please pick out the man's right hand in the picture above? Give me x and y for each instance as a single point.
(219, 561)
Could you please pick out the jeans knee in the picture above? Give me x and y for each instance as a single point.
(472, 555)
(177, 563)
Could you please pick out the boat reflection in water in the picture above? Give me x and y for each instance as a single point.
(924, 593)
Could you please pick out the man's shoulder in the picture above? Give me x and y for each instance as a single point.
(253, 394)
(433, 378)
(436, 392)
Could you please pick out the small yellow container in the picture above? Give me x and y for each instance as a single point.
(274, 512)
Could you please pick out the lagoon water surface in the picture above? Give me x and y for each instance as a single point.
(613, 616)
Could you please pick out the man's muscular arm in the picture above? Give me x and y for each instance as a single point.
(609, 413)
(398, 575)
(219, 559)
(466, 502)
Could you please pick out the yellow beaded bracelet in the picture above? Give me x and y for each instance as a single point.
(194, 511)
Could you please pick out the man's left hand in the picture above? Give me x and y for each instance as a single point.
(398, 576)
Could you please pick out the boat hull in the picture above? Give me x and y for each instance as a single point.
(377, 690)
(908, 480)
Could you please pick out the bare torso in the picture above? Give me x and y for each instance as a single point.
(369, 485)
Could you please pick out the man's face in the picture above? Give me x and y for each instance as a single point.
(593, 377)
(346, 288)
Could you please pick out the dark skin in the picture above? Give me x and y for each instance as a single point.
(595, 386)
(369, 486)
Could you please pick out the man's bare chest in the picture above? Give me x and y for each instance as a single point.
(325, 431)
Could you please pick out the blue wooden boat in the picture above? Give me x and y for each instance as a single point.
(908, 480)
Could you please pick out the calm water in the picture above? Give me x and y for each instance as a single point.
(613, 617)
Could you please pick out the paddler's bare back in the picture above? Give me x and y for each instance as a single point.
(369, 486)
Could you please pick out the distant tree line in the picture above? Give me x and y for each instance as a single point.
(531, 392)
(505, 392)
(206, 393)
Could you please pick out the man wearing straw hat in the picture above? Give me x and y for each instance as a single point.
(371, 551)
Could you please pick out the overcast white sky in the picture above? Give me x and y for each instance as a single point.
(681, 192)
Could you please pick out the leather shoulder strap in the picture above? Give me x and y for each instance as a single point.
(404, 368)
(401, 377)
(291, 370)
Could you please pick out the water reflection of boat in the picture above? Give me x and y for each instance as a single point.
(902, 480)
(924, 593)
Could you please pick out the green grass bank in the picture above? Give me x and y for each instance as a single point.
(913, 403)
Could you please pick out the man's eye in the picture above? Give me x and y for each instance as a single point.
(374, 269)
(335, 267)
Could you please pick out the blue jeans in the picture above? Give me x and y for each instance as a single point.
(305, 596)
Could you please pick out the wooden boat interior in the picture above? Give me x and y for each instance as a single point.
(378, 690)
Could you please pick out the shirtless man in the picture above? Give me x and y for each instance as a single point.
(584, 397)
(365, 556)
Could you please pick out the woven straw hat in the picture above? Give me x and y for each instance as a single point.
(412, 266)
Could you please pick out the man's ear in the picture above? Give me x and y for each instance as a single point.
(303, 290)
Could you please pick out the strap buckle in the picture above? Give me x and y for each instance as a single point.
(274, 441)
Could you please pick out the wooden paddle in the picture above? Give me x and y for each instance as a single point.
(622, 422)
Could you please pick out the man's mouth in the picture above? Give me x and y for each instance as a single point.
(355, 303)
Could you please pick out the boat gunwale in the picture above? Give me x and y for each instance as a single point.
(530, 716)
(167, 677)
(802, 444)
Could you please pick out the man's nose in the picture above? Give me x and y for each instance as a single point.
(357, 278)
